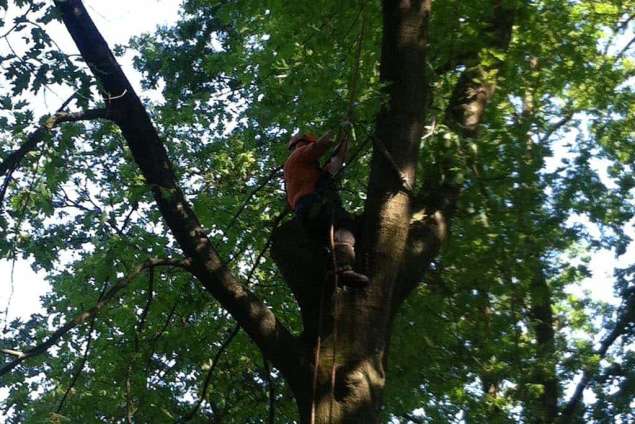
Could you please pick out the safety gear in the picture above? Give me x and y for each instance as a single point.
(301, 137)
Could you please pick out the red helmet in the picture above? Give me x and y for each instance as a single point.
(310, 138)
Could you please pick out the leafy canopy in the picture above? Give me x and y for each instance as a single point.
(547, 183)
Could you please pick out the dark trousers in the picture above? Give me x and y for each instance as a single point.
(318, 210)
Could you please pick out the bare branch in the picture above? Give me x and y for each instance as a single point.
(12, 352)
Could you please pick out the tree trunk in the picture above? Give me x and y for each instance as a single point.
(543, 325)
(354, 325)
(351, 364)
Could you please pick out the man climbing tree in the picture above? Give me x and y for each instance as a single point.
(312, 194)
(176, 276)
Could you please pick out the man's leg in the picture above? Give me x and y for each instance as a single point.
(345, 250)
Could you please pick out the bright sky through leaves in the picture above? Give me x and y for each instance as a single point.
(118, 20)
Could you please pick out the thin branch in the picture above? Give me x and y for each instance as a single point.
(157, 336)
(32, 139)
(12, 161)
(18, 20)
(18, 225)
(146, 308)
(406, 186)
(210, 372)
(191, 414)
(255, 191)
(414, 419)
(80, 366)
(90, 313)
(272, 391)
(12, 352)
(626, 318)
(275, 224)
(556, 126)
(622, 52)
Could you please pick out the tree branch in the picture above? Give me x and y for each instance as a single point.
(272, 392)
(80, 367)
(12, 352)
(208, 378)
(89, 314)
(276, 342)
(477, 83)
(464, 114)
(12, 161)
(627, 317)
(251, 195)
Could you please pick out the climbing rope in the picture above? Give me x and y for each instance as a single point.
(348, 126)
(335, 310)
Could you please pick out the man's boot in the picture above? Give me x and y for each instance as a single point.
(345, 259)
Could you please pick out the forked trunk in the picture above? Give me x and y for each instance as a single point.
(351, 362)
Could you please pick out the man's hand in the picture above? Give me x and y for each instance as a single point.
(336, 163)
(326, 140)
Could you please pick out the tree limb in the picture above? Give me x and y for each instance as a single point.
(12, 352)
(251, 195)
(436, 204)
(477, 83)
(277, 343)
(12, 161)
(80, 367)
(208, 378)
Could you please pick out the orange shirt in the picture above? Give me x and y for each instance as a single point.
(302, 171)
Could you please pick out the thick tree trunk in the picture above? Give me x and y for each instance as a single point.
(351, 325)
(350, 374)
(354, 325)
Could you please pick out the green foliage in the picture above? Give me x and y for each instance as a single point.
(237, 78)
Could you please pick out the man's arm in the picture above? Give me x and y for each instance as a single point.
(315, 151)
